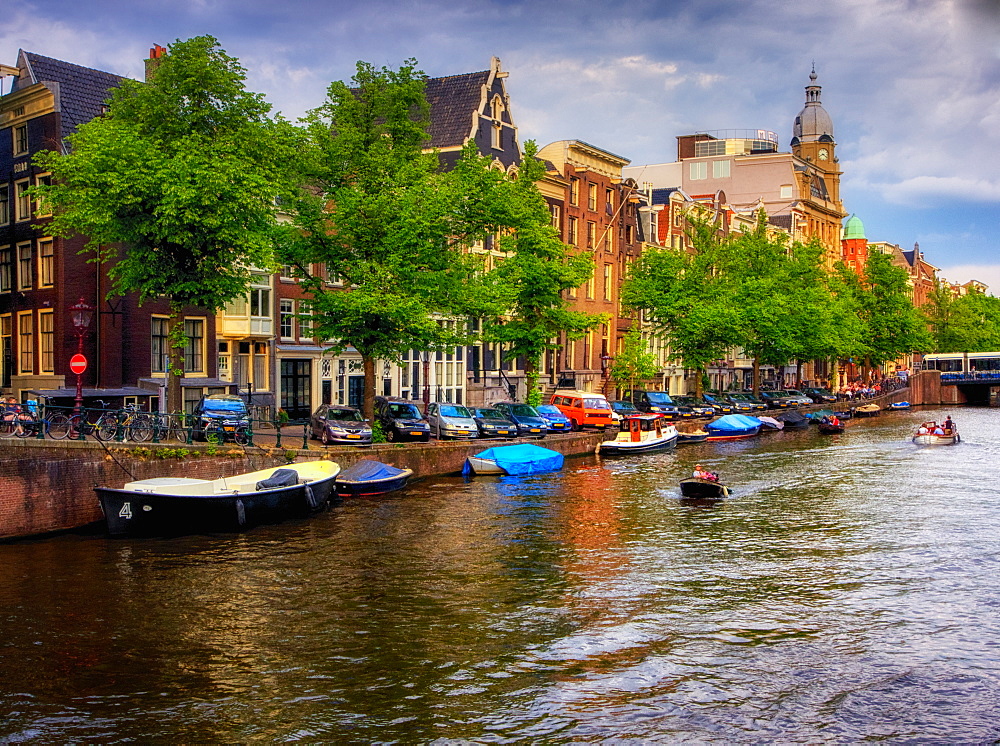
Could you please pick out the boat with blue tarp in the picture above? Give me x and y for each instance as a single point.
(732, 426)
(523, 458)
(370, 477)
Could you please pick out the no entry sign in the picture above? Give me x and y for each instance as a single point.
(78, 364)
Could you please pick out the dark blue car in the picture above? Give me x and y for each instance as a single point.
(556, 420)
(529, 422)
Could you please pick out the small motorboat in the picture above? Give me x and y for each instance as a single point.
(370, 477)
(641, 433)
(830, 428)
(770, 425)
(694, 436)
(844, 415)
(817, 416)
(793, 420)
(899, 405)
(181, 505)
(520, 459)
(697, 487)
(867, 410)
(733, 426)
(926, 435)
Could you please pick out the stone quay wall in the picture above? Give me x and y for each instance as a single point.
(47, 486)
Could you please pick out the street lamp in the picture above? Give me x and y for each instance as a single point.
(81, 315)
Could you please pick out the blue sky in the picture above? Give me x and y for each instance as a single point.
(913, 86)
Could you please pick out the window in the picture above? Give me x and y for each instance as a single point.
(591, 283)
(555, 212)
(786, 191)
(574, 191)
(159, 352)
(260, 301)
(287, 272)
(305, 323)
(286, 319)
(608, 281)
(571, 231)
(25, 259)
(698, 170)
(592, 197)
(6, 358)
(21, 139)
(46, 339)
(41, 208)
(22, 200)
(4, 204)
(591, 234)
(46, 268)
(720, 169)
(26, 343)
(194, 349)
(6, 269)
(609, 201)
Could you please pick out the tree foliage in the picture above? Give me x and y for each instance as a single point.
(634, 362)
(182, 174)
(965, 323)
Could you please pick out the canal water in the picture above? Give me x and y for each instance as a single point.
(848, 590)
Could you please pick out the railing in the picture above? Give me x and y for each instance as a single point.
(986, 377)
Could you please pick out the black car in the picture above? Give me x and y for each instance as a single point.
(622, 409)
(718, 404)
(777, 399)
(400, 419)
(221, 416)
(694, 406)
(659, 402)
(747, 400)
(333, 423)
(820, 396)
(528, 421)
(492, 423)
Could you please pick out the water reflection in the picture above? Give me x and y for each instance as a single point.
(844, 592)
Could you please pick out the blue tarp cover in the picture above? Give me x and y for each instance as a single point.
(734, 423)
(368, 470)
(524, 458)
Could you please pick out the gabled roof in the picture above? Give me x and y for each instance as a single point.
(80, 93)
(455, 102)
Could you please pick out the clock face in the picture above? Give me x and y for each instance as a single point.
(824, 154)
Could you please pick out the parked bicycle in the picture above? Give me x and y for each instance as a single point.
(128, 423)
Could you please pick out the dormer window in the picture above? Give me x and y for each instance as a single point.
(496, 113)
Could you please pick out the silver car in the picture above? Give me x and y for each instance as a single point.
(451, 421)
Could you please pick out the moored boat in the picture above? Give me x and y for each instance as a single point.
(899, 405)
(641, 433)
(733, 426)
(697, 487)
(181, 505)
(830, 428)
(520, 459)
(867, 410)
(770, 424)
(370, 477)
(793, 420)
(693, 436)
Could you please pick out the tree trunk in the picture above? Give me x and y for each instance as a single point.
(532, 395)
(699, 382)
(176, 341)
(368, 402)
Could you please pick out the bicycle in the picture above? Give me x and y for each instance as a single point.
(129, 421)
(170, 426)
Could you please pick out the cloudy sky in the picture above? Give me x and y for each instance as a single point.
(913, 86)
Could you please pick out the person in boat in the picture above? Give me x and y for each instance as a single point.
(922, 430)
(825, 420)
(701, 473)
(939, 430)
(948, 424)
(834, 420)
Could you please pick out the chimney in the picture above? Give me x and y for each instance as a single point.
(156, 53)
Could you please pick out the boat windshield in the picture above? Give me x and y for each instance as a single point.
(451, 410)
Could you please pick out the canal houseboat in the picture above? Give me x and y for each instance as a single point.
(641, 433)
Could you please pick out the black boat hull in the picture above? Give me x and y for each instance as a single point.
(695, 487)
(371, 487)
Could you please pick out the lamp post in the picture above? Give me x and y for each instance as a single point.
(81, 315)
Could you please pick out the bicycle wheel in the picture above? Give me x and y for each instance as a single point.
(242, 436)
(177, 428)
(106, 427)
(59, 426)
(28, 428)
(140, 429)
(8, 427)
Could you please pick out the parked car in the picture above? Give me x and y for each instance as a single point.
(693, 407)
(492, 423)
(401, 419)
(556, 420)
(741, 399)
(528, 421)
(777, 399)
(718, 404)
(451, 421)
(340, 425)
(621, 408)
(659, 402)
(820, 396)
(583, 408)
(798, 397)
(221, 416)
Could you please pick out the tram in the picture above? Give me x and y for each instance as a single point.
(974, 366)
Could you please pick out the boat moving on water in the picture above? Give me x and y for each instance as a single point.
(641, 433)
(932, 434)
(524, 458)
(180, 505)
(697, 487)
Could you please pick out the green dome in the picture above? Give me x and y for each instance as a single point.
(854, 228)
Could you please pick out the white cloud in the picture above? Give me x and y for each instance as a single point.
(985, 273)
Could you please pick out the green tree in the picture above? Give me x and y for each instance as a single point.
(634, 362)
(985, 312)
(182, 174)
(893, 325)
(531, 311)
(383, 220)
(686, 298)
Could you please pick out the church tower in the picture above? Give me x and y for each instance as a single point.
(812, 141)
